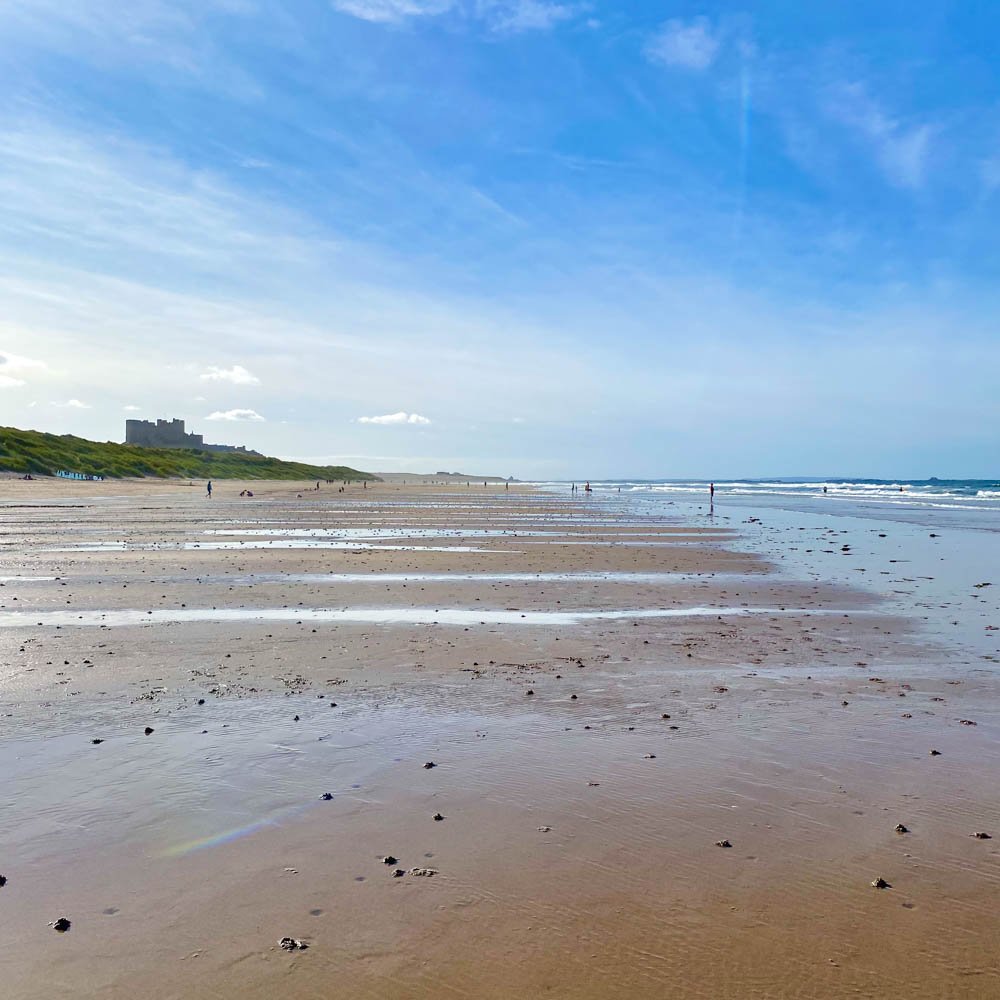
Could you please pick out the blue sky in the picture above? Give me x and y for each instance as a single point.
(509, 236)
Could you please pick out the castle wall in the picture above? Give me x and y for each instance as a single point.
(171, 434)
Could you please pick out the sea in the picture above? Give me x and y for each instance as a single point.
(929, 548)
(965, 502)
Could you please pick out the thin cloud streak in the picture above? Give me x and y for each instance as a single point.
(396, 419)
(237, 375)
(235, 415)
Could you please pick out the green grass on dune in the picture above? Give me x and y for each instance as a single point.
(46, 454)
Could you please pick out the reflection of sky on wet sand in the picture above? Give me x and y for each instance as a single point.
(382, 616)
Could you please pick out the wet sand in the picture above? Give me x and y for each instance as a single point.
(589, 757)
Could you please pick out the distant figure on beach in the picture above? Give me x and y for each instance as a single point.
(711, 491)
(824, 489)
(587, 489)
(506, 486)
(209, 490)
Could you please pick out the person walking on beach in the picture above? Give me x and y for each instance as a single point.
(711, 491)
(209, 490)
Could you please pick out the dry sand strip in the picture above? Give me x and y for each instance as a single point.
(589, 770)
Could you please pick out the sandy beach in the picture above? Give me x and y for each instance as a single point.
(665, 765)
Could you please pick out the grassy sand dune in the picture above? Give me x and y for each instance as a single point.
(46, 454)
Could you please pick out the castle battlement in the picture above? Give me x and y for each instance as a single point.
(171, 434)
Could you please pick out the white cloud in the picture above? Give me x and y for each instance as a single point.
(526, 15)
(73, 404)
(395, 418)
(684, 44)
(14, 365)
(392, 11)
(131, 409)
(234, 415)
(238, 375)
(901, 152)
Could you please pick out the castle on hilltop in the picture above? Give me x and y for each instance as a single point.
(171, 434)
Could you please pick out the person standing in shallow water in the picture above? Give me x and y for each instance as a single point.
(711, 491)
(208, 489)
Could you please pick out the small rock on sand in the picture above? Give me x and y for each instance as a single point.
(148, 730)
(649, 756)
(935, 753)
(544, 829)
(880, 883)
(96, 741)
(3, 881)
(326, 796)
(429, 765)
(899, 828)
(979, 835)
(423, 872)
(62, 925)
(292, 944)
(389, 860)
(723, 843)
(438, 817)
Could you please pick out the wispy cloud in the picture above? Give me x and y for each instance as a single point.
(395, 418)
(989, 173)
(235, 415)
(237, 375)
(500, 16)
(132, 409)
(691, 45)
(73, 404)
(901, 150)
(512, 16)
(392, 11)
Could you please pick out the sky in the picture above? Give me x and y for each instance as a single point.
(514, 237)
